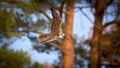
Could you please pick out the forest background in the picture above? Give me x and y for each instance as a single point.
(91, 27)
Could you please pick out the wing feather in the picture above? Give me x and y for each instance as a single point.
(56, 23)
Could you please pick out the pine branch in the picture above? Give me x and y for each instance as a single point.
(55, 45)
(45, 15)
(108, 23)
(52, 5)
(111, 22)
(61, 7)
(86, 15)
(82, 7)
(27, 31)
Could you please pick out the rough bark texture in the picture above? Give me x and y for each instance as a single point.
(95, 48)
(68, 55)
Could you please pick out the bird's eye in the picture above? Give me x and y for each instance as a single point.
(47, 37)
(63, 34)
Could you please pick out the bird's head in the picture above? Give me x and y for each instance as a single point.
(61, 35)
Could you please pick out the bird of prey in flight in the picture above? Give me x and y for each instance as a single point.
(56, 30)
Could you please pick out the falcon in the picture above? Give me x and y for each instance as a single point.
(56, 31)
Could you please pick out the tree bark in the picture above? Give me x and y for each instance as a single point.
(95, 57)
(68, 55)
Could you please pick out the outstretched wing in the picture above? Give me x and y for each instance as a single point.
(43, 37)
(56, 23)
(50, 39)
(55, 29)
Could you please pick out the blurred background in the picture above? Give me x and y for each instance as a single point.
(92, 25)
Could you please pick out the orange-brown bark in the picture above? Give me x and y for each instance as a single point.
(68, 55)
(97, 34)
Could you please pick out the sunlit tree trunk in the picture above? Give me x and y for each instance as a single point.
(97, 34)
(68, 55)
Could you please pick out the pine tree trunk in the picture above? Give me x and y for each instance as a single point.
(95, 51)
(95, 58)
(68, 55)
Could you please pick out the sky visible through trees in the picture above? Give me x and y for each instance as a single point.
(81, 29)
(91, 31)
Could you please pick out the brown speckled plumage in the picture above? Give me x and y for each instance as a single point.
(55, 29)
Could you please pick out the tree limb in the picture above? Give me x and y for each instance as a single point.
(116, 20)
(82, 7)
(61, 8)
(55, 45)
(45, 15)
(111, 22)
(86, 15)
(52, 44)
(34, 31)
(52, 5)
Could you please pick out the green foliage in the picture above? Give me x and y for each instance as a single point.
(70, 2)
(11, 59)
(10, 22)
(6, 23)
(16, 23)
(29, 6)
(41, 24)
(37, 65)
(111, 43)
